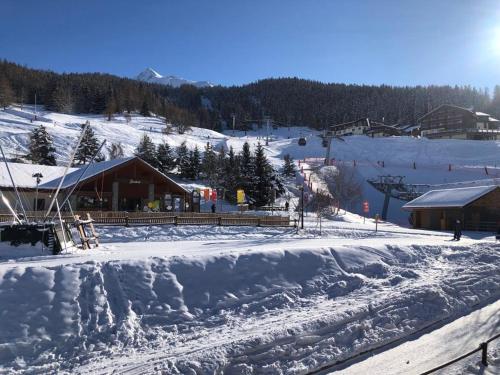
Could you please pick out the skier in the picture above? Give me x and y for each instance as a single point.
(458, 230)
(287, 206)
(213, 208)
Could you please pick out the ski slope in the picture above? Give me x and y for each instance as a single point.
(201, 300)
(432, 158)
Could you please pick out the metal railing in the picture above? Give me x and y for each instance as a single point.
(483, 348)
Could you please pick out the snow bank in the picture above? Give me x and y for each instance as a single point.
(279, 311)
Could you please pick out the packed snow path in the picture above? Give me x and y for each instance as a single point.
(261, 302)
(440, 346)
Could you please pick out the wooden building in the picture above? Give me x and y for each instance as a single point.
(357, 127)
(127, 184)
(364, 126)
(478, 208)
(449, 121)
(381, 130)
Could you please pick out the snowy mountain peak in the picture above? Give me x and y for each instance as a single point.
(152, 76)
(149, 74)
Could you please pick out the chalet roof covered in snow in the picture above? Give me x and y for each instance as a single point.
(23, 174)
(96, 169)
(449, 198)
(93, 170)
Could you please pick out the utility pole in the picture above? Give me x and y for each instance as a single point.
(267, 131)
(234, 121)
(35, 106)
(302, 207)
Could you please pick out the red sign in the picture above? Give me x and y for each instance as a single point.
(366, 207)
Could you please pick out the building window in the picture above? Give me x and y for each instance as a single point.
(84, 202)
(39, 204)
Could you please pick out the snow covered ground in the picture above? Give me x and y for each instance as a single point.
(237, 300)
(432, 158)
(440, 346)
(200, 299)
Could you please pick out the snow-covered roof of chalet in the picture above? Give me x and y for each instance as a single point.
(23, 174)
(94, 170)
(449, 198)
(480, 114)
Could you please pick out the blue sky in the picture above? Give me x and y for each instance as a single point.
(396, 42)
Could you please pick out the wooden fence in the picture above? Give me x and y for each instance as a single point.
(173, 218)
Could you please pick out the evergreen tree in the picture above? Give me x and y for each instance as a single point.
(145, 109)
(194, 164)
(88, 148)
(6, 93)
(61, 100)
(246, 170)
(182, 160)
(289, 166)
(115, 150)
(220, 167)
(41, 149)
(263, 188)
(231, 175)
(209, 165)
(146, 150)
(495, 103)
(166, 159)
(111, 107)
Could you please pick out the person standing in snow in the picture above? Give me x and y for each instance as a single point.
(458, 230)
(213, 208)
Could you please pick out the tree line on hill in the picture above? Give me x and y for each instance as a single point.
(288, 101)
(227, 170)
(224, 169)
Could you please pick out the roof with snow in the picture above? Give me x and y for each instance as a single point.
(93, 170)
(475, 113)
(52, 175)
(23, 174)
(450, 198)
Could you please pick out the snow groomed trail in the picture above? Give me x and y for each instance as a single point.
(439, 346)
(274, 304)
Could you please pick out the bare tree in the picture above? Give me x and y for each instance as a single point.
(115, 150)
(344, 185)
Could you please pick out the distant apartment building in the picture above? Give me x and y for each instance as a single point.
(452, 122)
(364, 126)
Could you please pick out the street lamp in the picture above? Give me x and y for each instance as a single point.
(38, 177)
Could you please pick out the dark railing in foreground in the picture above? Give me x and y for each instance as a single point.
(483, 348)
(173, 218)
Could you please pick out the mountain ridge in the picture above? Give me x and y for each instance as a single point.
(152, 76)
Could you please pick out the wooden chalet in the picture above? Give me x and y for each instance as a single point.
(357, 127)
(127, 184)
(449, 121)
(381, 130)
(363, 126)
(478, 208)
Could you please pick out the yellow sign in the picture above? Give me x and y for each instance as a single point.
(240, 196)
